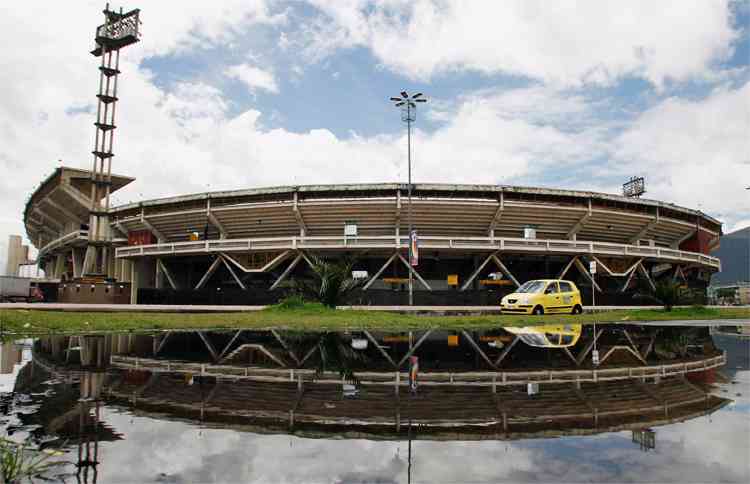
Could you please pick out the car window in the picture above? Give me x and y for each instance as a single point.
(553, 338)
(551, 289)
(534, 339)
(566, 339)
(565, 287)
(531, 287)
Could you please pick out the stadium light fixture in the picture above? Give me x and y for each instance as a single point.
(408, 106)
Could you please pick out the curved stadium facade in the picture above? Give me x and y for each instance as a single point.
(476, 242)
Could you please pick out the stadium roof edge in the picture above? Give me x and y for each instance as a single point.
(446, 187)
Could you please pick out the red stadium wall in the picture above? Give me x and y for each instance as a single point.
(700, 242)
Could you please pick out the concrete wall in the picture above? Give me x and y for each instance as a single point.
(99, 293)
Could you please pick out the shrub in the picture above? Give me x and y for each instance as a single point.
(667, 293)
(292, 301)
(18, 462)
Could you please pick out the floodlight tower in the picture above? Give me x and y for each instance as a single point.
(118, 30)
(408, 107)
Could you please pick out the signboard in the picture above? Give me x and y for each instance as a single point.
(356, 275)
(414, 249)
(592, 267)
(595, 357)
(494, 282)
(529, 233)
(453, 279)
(350, 229)
(452, 340)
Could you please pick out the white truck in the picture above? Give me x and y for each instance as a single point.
(18, 289)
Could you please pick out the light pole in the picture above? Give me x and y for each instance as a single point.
(408, 107)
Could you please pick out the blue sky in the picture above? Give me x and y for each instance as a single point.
(232, 94)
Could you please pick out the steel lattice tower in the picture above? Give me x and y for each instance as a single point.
(119, 30)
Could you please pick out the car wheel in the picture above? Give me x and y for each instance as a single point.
(577, 309)
(538, 311)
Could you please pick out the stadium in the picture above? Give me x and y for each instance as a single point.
(475, 242)
(470, 244)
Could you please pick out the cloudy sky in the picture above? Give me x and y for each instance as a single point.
(705, 449)
(243, 93)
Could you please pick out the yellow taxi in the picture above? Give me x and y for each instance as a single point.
(548, 336)
(541, 296)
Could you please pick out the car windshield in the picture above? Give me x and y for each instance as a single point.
(534, 339)
(532, 287)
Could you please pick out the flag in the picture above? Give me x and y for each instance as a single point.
(413, 372)
(414, 249)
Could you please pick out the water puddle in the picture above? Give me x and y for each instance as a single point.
(563, 403)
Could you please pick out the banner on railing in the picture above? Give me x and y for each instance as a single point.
(414, 249)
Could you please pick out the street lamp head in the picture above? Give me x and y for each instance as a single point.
(408, 105)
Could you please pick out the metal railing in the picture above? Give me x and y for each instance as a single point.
(511, 245)
(438, 378)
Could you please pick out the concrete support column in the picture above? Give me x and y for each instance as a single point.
(126, 270)
(49, 268)
(59, 265)
(159, 277)
(77, 256)
(133, 282)
(111, 263)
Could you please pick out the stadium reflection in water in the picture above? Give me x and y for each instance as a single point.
(202, 400)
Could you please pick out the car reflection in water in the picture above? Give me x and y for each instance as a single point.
(470, 386)
(548, 336)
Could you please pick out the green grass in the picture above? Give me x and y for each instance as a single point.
(315, 317)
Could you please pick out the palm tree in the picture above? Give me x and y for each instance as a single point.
(333, 280)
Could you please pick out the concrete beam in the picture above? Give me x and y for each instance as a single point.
(231, 271)
(644, 230)
(211, 269)
(584, 270)
(298, 216)
(123, 230)
(81, 199)
(411, 269)
(286, 272)
(646, 275)
(580, 224)
(476, 273)
(49, 219)
(62, 209)
(380, 271)
(159, 236)
(678, 242)
(163, 268)
(215, 221)
(497, 216)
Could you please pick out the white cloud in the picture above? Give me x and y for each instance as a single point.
(695, 153)
(253, 77)
(174, 451)
(560, 42)
(172, 27)
(183, 139)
